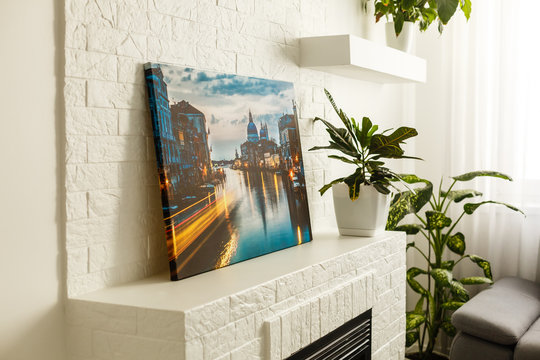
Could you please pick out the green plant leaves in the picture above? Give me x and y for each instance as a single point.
(365, 134)
(344, 159)
(415, 285)
(466, 7)
(419, 308)
(474, 174)
(446, 9)
(329, 185)
(414, 320)
(459, 195)
(458, 291)
(442, 277)
(476, 280)
(388, 145)
(483, 263)
(452, 305)
(408, 202)
(437, 220)
(448, 328)
(471, 207)
(399, 19)
(355, 143)
(411, 338)
(410, 229)
(448, 265)
(456, 243)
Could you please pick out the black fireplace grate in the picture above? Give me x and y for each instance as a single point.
(350, 341)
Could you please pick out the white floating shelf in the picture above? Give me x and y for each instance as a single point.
(354, 57)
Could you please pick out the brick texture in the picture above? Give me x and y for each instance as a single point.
(257, 323)
(110, 176)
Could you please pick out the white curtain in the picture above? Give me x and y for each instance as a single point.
(493, 123)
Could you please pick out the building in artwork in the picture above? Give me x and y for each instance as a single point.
(194, 166)
(258, 150)
(162, 126)
(289, 141)
(183, 139)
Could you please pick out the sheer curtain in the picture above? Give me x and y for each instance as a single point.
(493, 123)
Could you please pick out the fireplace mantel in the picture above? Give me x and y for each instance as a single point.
(267, 307)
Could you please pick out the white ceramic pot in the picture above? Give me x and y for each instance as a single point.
(402, 42)
(366, 216)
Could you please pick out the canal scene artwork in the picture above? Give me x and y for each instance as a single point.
(230, 167)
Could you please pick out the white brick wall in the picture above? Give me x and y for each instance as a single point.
(269, 321)
(114, 232)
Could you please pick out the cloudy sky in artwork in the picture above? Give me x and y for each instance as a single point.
(225, 101)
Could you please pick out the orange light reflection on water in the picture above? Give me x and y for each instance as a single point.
(276, 186)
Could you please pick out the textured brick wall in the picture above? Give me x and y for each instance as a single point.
(114, 230)
(268, 321)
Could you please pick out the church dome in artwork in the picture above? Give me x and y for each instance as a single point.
(252, 133)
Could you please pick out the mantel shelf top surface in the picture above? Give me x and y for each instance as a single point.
(157, 292)
(354, 57)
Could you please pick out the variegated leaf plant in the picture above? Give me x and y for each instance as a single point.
(444, 293)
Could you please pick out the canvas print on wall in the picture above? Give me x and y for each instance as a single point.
(230, 167)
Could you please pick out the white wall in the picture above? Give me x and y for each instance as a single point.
(32, 140)
(31, 264)
(114, 231)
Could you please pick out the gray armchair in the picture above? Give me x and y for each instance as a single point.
(500, 323)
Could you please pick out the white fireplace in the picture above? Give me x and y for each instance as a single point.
(263, 308)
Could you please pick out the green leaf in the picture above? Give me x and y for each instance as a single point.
(476, 280)
(381, 188)
(419, 308)
(471, 207)
(429, 14)
(329, 185)
(408, 202)
(410, 229)
(456, 243)
(411, 244)
(437, 220)
(414, 320)
(448, 265)
(415, 285)
(399, 19)
(354, 181)
(408, 4)
(366, 127)
(341, 137)
(448, 328)
(388, 145)
(446, 9)
(466, 7)
(344, 159)
(452, 305)
(459, 195)
(474, 174)
(483, 263)
(442, 277)
(411, 338)
(459, 292)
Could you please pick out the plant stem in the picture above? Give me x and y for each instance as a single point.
(452, 228)
(421, 252)
(449, 189)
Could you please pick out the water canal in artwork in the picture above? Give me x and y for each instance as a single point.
(247, 214)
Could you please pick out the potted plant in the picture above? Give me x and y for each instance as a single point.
(404, 13)
(444, 293)
(361, 199)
